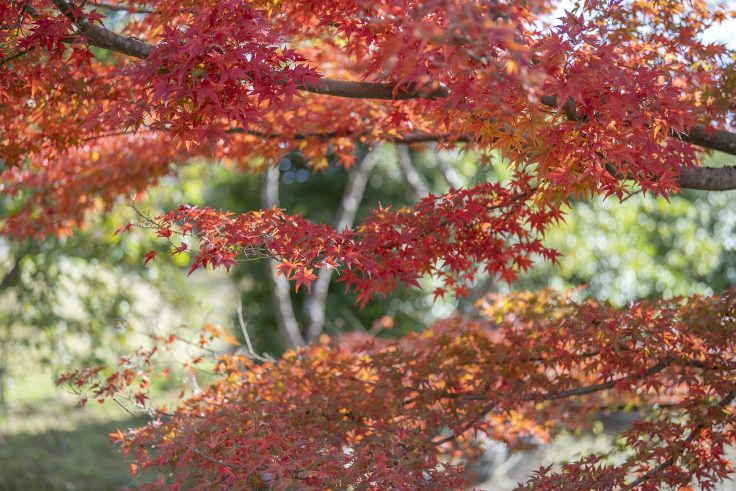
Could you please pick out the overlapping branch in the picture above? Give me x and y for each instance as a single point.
(99, 36)
(418, 188)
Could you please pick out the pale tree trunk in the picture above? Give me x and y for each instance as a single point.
(418, 188)
(448, 173)
(316, 304)
(280, 288)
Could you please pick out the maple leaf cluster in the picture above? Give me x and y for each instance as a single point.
(361, 411)
(447, 236)
(53, 198)
(585, 104)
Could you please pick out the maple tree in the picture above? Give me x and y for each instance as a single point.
(100, 100)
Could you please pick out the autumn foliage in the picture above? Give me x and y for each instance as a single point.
(596, 98)
(400, 414)
(100, 100)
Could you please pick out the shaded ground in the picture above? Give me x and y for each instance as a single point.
(48, 443)
(77, 460)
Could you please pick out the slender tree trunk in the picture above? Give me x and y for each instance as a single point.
(418, 188)
(8, 281)
(280, 288)
(448, 173)
(316, 305)
(12, 276)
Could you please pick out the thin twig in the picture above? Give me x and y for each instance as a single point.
(16, 55)
(483, 412)
(243, 328)
(174, 440)
(671, 461)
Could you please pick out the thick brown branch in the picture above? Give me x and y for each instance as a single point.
(700, 178)
(123, 8)
(12, 276)
(104, 38)
(374, 90)
(99, 36)
(723, 141)
(708, 178)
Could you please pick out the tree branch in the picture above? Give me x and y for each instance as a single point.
(15, 56)
(12, 276)
(375, 90)
(550, 396)
(589, 389)
(713, 139)
(671, 461)
(416, 137)
(123, 8)
(468, 425)
(101, 37)
(104, 38)
(708, 178)
(699, 178)
(701, 136)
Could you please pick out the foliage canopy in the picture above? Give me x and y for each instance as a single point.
(101, 100)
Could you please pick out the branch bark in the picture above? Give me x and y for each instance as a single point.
(723, 141)
(375, 90)
(11, 276)
(701, 136)
(708, 178)
(280, 289)
(101, 37)
(104, 38)
(123, 8)
(316, 304)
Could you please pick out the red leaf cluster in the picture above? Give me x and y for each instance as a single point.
(394, 414)
(447, 236)
(580, 105)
